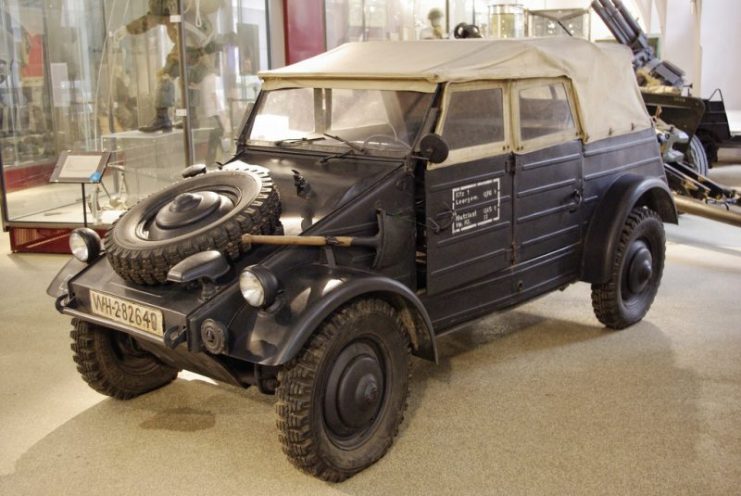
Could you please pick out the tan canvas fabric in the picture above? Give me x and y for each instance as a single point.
(608, 101)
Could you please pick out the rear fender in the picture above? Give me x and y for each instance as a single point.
(626, 193)
(315, 292)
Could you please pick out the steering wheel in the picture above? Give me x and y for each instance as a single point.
(386, 138)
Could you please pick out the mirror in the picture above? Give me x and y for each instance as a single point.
(433, 148)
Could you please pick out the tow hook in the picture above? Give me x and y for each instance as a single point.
(63, 301)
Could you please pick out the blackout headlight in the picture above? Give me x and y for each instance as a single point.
(258, 285)
(84, 243)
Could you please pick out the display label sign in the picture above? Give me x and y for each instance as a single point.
(80, 167)
(476, 205)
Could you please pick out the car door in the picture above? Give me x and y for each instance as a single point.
(468, 197)
(548, 172)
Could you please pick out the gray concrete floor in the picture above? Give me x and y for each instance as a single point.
(538, 400)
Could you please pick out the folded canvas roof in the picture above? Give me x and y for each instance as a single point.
(607, 97)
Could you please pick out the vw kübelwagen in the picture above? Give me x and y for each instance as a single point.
(383, 193)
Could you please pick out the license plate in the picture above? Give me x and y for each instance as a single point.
(141, 317)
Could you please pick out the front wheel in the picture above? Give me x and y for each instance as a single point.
(637, 266)
(341, 401)
(113, 364)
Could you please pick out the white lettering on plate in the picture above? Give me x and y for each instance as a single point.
(476, 205)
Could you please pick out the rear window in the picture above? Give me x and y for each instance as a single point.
(544, 110)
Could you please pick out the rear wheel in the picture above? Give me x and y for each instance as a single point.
(113, 364)
(341, 401)
(637, 266)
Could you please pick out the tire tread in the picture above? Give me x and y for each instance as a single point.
(294, 392)
(605, 297)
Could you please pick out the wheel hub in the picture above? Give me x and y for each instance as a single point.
(186, 211)
(640, 267)
(354, 391)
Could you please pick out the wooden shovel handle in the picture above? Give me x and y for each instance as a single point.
(261, 239)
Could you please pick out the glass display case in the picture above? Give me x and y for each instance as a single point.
(365, 20)
(506, 21)
(113, 75)
(559, 22)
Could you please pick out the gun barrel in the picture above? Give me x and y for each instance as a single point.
(612, 24)
(620, 6)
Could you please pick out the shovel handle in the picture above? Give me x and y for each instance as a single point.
(262, 239)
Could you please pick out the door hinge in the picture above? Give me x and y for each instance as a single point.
(509, 164)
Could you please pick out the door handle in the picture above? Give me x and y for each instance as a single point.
(577, 200)
(441, 221)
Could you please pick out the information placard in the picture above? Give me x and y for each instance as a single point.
(80, 167)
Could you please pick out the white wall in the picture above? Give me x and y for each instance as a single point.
(680, 44)
(721, 50)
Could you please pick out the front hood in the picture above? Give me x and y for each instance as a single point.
(331, 185)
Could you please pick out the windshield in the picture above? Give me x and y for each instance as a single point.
(369, 121)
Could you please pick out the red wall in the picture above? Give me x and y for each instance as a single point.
(304, 29)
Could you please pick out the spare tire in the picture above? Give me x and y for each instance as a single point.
(207, 212)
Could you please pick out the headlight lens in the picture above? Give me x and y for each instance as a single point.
(252, 289)
(84, 243)
(259, 286)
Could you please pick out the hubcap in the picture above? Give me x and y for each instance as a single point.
(355, 393)
(186, 211)
(640, 267)
(131, 358)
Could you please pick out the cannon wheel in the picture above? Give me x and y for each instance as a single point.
(696, 156)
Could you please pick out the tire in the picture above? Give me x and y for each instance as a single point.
(112, 363)
(710, 145)
(696, 156)
(247, 202)
(333, 439)
(637, 266)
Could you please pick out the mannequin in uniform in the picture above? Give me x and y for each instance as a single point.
(199, 42)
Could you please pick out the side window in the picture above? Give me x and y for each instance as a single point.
(544, 110)
(474, 118)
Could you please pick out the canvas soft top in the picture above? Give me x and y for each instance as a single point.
(607, 96)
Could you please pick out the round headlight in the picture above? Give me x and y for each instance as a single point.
(84, 243)
(251, 288)
(258, 285)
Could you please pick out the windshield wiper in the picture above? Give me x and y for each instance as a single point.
(352, 151)
(296, 141)
(344, 154)
(349, 143)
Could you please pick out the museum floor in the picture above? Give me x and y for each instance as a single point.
(539, 400)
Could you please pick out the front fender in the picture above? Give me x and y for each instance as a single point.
(59, 286)
(608, 219)
(311, 294)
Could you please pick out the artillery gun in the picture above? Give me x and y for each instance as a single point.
(694, 126)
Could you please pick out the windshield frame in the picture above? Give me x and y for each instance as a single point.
(332, 146)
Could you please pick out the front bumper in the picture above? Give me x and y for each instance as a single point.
(182, 310)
